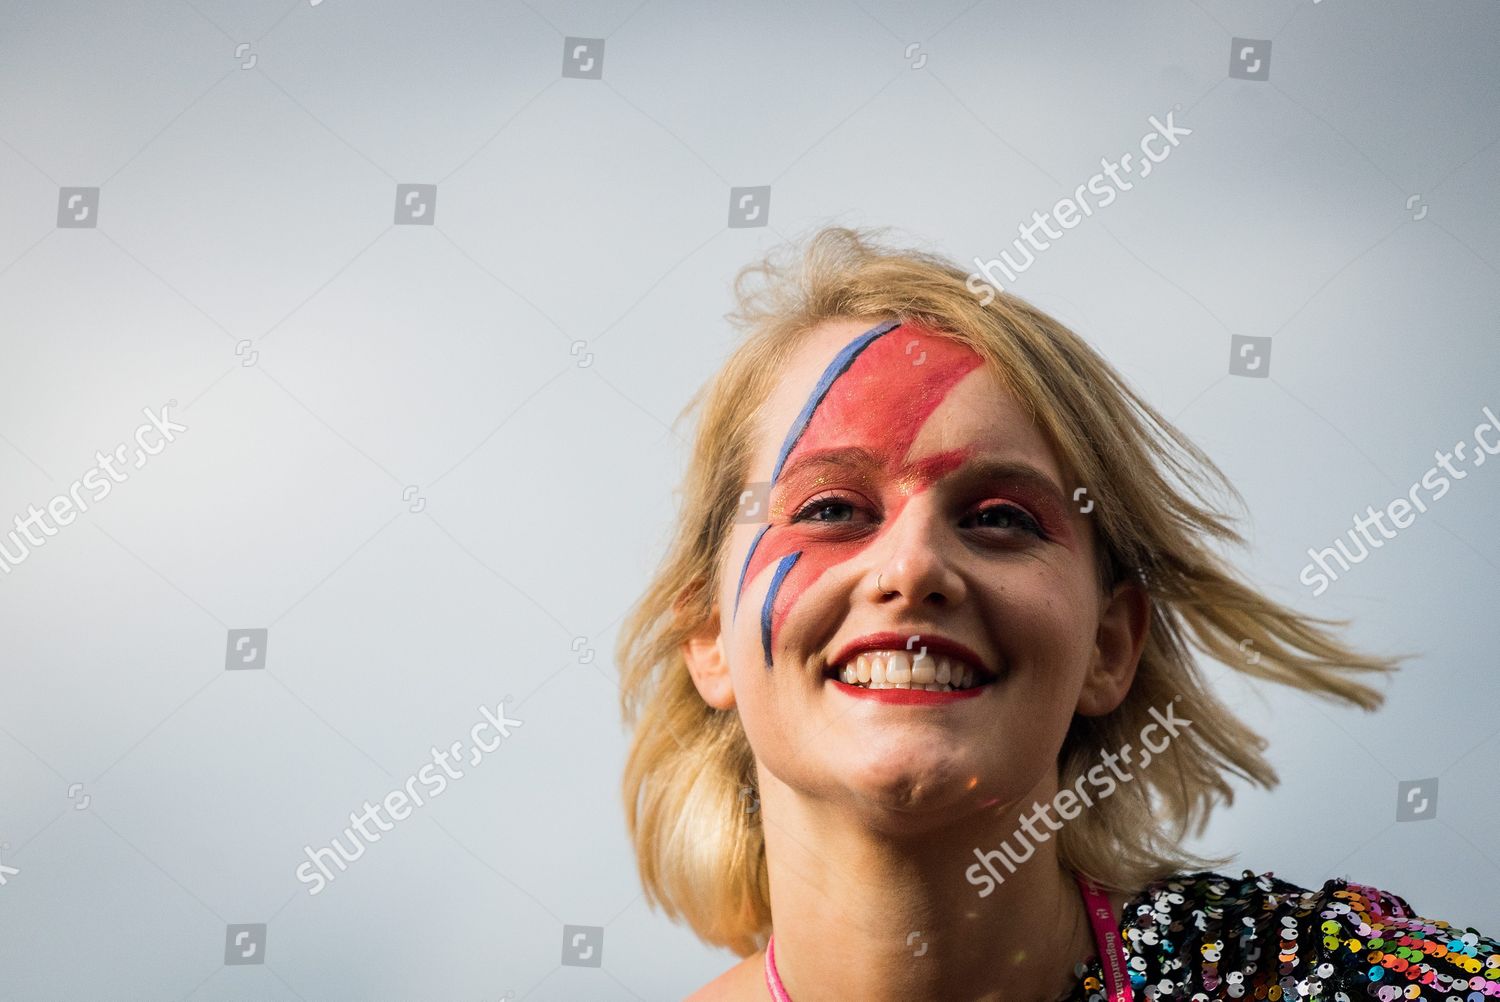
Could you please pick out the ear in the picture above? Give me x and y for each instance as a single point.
(1124, 617)
(704, 653)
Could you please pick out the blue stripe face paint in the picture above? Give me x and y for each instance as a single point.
(782, 566)
(835, 368)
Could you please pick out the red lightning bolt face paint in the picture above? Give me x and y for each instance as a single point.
(879, 390)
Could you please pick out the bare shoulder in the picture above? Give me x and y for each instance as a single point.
(743, 982)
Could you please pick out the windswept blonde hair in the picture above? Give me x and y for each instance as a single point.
(1157, 501)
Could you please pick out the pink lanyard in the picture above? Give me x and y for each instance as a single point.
(1112, 956)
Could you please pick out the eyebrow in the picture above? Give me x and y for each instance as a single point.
(1013, 470)
(851, 457)
(859, 459)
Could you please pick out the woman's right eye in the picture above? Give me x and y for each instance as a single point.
(815, 507)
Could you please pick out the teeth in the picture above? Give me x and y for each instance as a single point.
(897, 670)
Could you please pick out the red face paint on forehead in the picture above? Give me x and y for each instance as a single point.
(887, 394)
(875, 396)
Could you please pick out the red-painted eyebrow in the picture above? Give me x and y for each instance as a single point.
(852, 457)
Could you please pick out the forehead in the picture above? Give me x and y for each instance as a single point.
(906, 394)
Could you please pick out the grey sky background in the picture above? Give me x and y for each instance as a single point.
(433, 460)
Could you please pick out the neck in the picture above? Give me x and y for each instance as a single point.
(872, 915)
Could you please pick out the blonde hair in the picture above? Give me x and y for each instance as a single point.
(1157, 501)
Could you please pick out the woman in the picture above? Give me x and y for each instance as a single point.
(916, 714)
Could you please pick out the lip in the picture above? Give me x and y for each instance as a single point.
(909, 697)
(894, 641)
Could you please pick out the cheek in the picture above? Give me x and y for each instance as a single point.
(772, 704)
(767, 713)
(1043, 616)
(753, 691)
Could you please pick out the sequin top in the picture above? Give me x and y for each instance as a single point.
(1201, 936)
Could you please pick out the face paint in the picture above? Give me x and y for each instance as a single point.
(767, 607)
(874, 396)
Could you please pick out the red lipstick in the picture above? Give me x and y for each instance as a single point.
(919, 643)
(922, 697)
(913, 641)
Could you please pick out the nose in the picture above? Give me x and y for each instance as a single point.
(912, 561)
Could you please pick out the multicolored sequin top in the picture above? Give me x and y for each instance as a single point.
(1200, 936)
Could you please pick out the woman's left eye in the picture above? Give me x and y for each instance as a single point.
(1000, 516)
(1008, 516)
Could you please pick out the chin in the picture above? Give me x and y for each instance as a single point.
(910, 793)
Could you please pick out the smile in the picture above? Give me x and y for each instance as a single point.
(900, 670)
(896, 676)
